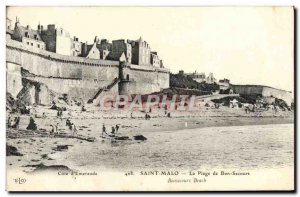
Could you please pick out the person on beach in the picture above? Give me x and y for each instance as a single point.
(276, 109)
(246, 109)
(56, 128)
(103, 130)
(12, 122)
(52, 129)
(146, 116)
(74, 129)
(17, 121)
(44, 115)
(169, 115)
(117, 128)
(70, 126)
(68, 122)
(8, 122)
(113, 131)
(131, 115)
(254, 107)
(32, 125)
(82, 108)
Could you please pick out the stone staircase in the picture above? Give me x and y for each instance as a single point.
(104, 89)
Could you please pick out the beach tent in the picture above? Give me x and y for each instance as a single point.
(234, 104)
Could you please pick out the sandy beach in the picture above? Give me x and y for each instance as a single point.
(89, 124)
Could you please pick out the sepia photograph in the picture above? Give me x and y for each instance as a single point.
(127, 99)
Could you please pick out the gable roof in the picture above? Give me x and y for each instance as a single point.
(27, 32)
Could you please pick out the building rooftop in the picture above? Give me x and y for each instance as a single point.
(29, 33)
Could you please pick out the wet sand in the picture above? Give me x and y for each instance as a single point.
(37, 150)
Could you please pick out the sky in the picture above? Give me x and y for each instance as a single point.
(248, 45)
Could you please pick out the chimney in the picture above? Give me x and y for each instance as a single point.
(28, 27)
(51, 27)
(95, 40)
(17, 22)
(39, 28)
(84, 48)
(42, 28)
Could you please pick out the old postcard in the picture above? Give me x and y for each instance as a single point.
(150, 98)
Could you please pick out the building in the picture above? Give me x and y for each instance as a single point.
(63, 42)
(224, 84)
(181, 72)
(104, 54)
(210, 79)
(57, 40)
(161, 64)
(120, 47)
(140, 52)
(75, 46)
(199, 77)
(105, 47)
(90, 51)
(66, 66)
(9, 29)
(97, 50)
(27, 36)
(154, 59)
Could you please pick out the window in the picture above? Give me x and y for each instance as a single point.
(31, 44)
(27, 43)
(38, 45)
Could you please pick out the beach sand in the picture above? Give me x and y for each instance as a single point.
(42, 149)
